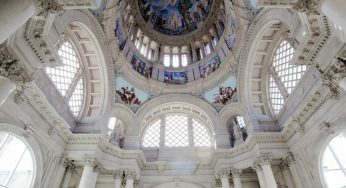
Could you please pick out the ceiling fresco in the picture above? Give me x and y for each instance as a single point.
(175, 17)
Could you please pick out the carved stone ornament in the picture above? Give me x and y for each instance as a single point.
(69, 165)
(334, 74)
(36, 35)
(308, 6)
(223, 173)
(263, 159)
(47, 6)
(11, 69)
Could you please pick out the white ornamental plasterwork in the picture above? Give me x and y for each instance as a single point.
(334, 74)
(79, 4)
(320, 33)
(308, 6)
(37, 31)
(11, 68)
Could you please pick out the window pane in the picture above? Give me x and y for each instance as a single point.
(152, 135)
(333, 162)
(63, 76)
(240, 121)
(201, 137)
(176, 131)
(288, 74)
(16, 163)
(175, 61)
(184, 60)
(111, 123)
(167, 60)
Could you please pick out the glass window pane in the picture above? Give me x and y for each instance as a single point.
(176, 131)
(201, 137)
(152, 135)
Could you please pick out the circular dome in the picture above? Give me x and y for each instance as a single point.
(175, 17)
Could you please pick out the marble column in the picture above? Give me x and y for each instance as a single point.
(70, 168)
(291, 162)
(260, 175)
(224, 176)
(88, 179)
(287, 175)
(130, 179)
(117, 178)
(6, 87)
(13, 14)
(236, 178)
(264, 161)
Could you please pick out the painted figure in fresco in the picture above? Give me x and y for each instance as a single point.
(174, 17)
(225, 95)
(209, 68)
(128, 96)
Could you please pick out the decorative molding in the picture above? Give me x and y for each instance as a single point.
(334, 74)
(263, 159)
(11, 68)
(69, 165)
(308, 6)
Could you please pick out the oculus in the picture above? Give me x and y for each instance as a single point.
(175, 17)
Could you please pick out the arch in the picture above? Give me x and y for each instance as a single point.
(33, 146)
(89, 38)
(206, 112)
(256, 53)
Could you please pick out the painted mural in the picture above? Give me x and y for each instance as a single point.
(119, 35)
(225, 93)
(141, 67)
(175, 17)
(231, 38)
(175, 77)
(208, 68)
(129, 94)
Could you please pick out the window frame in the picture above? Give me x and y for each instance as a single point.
(191, 134)
(80, 75)
(272, 78)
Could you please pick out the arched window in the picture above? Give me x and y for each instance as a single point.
(178, 130)
(334, 162)
(283, 75)
(68, 78)
(16, 162)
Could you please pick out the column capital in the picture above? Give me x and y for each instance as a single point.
(70, 165)
(90, 161)
(224, 173)
(236, 173)
(263, 159)
(118, 174)
(130, 174)
(256, 167)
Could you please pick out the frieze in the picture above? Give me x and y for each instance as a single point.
(308, 6)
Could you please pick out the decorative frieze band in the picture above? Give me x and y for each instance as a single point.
(334, 74)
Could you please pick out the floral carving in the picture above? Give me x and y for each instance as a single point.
(308, 6)
(334, 74)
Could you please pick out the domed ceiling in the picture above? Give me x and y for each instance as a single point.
(175, 17)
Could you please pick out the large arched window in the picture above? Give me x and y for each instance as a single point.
(16, 162)
(176, 130)
(283, 75)
(68, 78)
(334, 162)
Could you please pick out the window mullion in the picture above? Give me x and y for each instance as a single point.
(337, 160)
(73, 85)
(278, 82)
(15, 168)
(190, 131)
(162, 132)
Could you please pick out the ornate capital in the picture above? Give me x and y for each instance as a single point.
(223, 173)
(256, 167)
(308, 6)
(334, 74)
(90, 161)
(46, 7)
(11, 69)
(69, 165)
(236, 173)
(118, 174)
(263, 159)
(130, 174)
